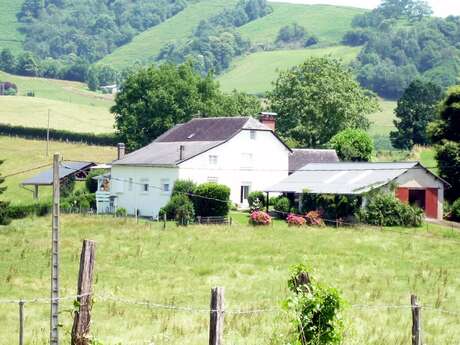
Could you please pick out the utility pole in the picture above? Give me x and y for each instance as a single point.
(54, 322)
(48, 134)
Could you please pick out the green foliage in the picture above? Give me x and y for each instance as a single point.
(383, 209)
(353, 145)
(315, 310)
(155, 99)
(455, 210)
(318, 99)
(79, 200)
(416, 108)
(256, 200)
(295, 35)
(4, 205)
(331, 206)
(184, 187)
(179, 208)
(282, 204)
(356, 37)
(91, 182)
(445, 133)
(67, 186)
(59, 135)
(211, 200)
(23, 210)
(121, 212)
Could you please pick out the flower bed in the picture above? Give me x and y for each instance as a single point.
(294, 220)
(260, 218)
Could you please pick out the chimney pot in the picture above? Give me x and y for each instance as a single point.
(121, 150)
(181, 152)
(268, 119)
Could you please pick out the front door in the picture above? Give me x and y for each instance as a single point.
(244, 194)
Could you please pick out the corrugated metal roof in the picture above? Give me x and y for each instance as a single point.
(301, 157)
(67, 168)
(166, 154)
(342, 177)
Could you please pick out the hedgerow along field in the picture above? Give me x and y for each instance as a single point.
(178, 266)
(23, 154)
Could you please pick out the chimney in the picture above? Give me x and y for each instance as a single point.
(268, 119)
(181, 152)
(121, 150)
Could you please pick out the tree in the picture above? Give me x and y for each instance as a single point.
(445, 133)
(92, 79)
(318, 99)
(155, 99)
(27, 64)
(4, 218)
(7, 61)
(416, 108)
(353, 145)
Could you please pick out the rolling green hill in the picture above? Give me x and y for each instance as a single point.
(254, 73)
(10, 37)
(149, 43)
(328, 23)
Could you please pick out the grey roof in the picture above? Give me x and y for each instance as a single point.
(301, 157)
(67, 168)
(197, 136)
(342, 177)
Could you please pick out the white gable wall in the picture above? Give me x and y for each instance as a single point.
(258, 162)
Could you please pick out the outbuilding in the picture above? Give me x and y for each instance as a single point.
(414, 183)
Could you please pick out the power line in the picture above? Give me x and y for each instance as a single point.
(28, 170)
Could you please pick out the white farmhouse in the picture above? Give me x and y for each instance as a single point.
(240, 152)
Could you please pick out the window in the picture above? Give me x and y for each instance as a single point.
(246, 160)
(144, 185)
(253, 134)
(130, 184)
(213, 179)
(212, 160)
(165, 186)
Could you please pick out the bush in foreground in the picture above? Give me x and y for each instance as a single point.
(283, 205)
(455, 211)
(260, 218)
(211, 200)
(256, 200)
(294, 220)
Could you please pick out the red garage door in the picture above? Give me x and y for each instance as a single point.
(403, 194)
(431, 203)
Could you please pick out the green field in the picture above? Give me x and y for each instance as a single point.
(254, 73)
(149, 43)
(10, 37)
(179, 266)
(71, 105)
(328, 23)
(22, 154)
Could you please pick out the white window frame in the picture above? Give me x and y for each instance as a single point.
(165, 182)
(145, 186)
(213, 160)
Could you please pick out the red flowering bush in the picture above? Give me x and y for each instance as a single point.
(294, 220)
(260, 218)
(314, 218)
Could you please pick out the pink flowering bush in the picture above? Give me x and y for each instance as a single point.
(314, 218)
(294, 220)
(260, 218)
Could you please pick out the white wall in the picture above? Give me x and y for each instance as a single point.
(270, 162)
(148, 203)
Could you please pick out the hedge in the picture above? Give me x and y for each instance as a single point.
(19, 211)
(108, 139)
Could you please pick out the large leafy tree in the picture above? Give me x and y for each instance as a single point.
(4, 219)
(318, 99)
(353, 145)
(445, 133)
(155, 99)
(416, 108)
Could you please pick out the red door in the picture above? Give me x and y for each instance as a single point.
(403, 194)
(431, 203)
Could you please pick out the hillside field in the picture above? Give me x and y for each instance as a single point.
(255, 73)
(10, 37)
(23, 154)
(316, 19)
(178, 266)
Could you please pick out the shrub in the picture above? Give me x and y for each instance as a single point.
(67, 186)
(79, 200)
(121, 212)
(316, 310)
(211, 200)
(90, 182)
(4, 213)
(283, 205)
(19, 211)
(185, 187)
(455, 210)
(314, 218)
(179, 208)
(383, 209)
(256, 200)
(353, 145)
(260, 218)
(332, 206)
(294, 220)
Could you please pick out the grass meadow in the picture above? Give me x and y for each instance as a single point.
(10, 37)
(23, 154)
(178, 266)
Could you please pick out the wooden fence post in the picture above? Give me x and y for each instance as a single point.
(82, 316)
(216, 324)
(21, 322)
(416, 321)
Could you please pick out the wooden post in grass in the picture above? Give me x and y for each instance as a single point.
(82, 316)
(416, 321)
(216, 324)
(54, 312)
(21, 322)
